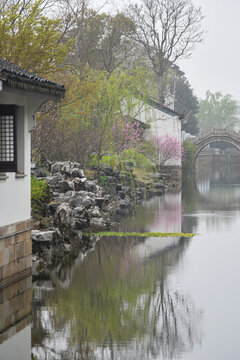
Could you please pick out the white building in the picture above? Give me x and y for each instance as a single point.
(161, 121)
(21, 95)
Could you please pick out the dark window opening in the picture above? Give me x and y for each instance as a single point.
(8, 155)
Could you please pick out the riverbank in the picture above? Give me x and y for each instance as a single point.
(77, 204)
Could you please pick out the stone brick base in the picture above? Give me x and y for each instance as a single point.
(15, 252)
(15, 308)
(176, 175)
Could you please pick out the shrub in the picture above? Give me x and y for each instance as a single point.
(39, 190)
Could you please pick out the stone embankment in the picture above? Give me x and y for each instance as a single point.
(80, 205)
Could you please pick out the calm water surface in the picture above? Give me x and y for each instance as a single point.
(167, 298)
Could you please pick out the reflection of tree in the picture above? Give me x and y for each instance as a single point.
(161, 214)
(217, 191)
(190, 222)
(118, 307)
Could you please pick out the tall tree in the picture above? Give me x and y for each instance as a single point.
(217, 111)
(167, 30)
(186, 103)
(101, 40)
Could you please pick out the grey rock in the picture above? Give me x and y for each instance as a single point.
(121, 194)
(92, 186)
(37, 266)
(67, 168)
(76, 237)
(79, 183)
(67, 247)
(87, 202)
(80, 223)
(40, 172)
(63, 215)
(119, 187)
(77, 173)
(65, 185)
(100, 201)
(52, 207)
(98, 223)
(82, 202)
(160, 186)
(107, 170)
(140, 194)
(43, 236)
(123, 204)
(56, 167)
(54, 180)
(94, 212)
(75, 200)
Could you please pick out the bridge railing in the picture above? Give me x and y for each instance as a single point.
(217, 132)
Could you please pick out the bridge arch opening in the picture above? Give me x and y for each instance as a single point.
(216, 136)
(199, 150)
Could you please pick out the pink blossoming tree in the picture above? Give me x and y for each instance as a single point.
(127, 134)
(166, 148)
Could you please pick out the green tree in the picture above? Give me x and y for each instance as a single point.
(186, 103)
(30, 39)
(217, 111)
(93, 103)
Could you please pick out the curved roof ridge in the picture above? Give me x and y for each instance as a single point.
(18, 77)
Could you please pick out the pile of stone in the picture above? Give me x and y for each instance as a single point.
(79, 204)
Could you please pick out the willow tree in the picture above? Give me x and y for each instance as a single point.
(217, 111)
(92, 106)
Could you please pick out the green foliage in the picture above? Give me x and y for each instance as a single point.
(111, 160)
(30, 39)
(138, 159)
(128, 158)
(39, 190)
(92, 104)
(186, 103)
(104, 181)
(217, 111)
(188, 158)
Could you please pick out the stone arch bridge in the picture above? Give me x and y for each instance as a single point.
(214, 135)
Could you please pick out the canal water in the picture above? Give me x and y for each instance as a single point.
(150, 298)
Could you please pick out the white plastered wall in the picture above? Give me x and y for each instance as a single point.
(160, 124)
(15, 191)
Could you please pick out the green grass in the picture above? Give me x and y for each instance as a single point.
(148, 234)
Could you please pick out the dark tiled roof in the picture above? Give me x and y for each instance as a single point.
(164, 109)
(16, 77)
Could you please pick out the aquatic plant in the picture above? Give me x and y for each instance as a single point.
(146, 234)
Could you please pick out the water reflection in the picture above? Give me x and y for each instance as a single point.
(212, 202)
(140, 298)
(15, 319)
(119, 302)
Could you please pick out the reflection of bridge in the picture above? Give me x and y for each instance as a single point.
(214, 135)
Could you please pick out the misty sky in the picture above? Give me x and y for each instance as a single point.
(214, 64)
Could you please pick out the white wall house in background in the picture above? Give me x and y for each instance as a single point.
(21, 95)
(161, 121)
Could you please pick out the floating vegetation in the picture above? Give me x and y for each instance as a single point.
(147, 234)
